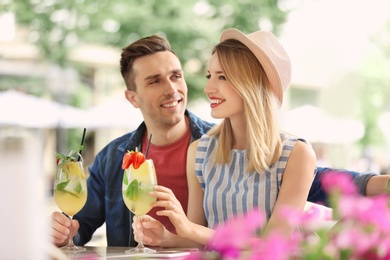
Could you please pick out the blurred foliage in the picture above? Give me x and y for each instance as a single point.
(374, 89)
(32, 85)
(374, 93)
(192, 27)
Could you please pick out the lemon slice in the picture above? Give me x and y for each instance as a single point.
(73, 169)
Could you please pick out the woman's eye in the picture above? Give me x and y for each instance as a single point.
(208, 76)
(222, 78)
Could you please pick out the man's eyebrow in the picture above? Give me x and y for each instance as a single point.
(177, 71)
(154, 76)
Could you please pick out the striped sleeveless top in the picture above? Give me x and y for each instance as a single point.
(229, 190)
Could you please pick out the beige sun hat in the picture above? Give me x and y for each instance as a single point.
(271, 55)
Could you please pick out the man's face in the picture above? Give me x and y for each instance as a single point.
(161, 91)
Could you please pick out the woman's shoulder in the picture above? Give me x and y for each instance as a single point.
(286, 137)
(296, 149)
(303, 153)
(291, 141)
(205, 140)
(194, 145)
(203, 145)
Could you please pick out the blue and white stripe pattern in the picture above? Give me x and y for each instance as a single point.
(229, 190)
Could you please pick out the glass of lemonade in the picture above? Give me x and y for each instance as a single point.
(70, 190)
(137, 183)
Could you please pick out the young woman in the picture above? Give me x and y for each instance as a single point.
(245, 162)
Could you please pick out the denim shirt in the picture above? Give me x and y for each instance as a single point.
(318, 195)
(105, 203)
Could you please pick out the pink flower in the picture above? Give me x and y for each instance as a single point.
(363, 231)
(275, 247)
(292, 216)
(91, 256)
(338, 181)
(236, 234)
(366, 211)
(312, 217)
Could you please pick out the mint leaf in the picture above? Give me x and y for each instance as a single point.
(125, 180)
(61, 186)
(78, 188)
(132, 190)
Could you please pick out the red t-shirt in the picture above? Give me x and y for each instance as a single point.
(170, 164)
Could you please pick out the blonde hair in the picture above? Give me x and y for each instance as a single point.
(248, 78)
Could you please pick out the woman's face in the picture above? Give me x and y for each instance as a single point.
(225, 102)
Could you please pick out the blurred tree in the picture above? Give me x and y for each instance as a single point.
(192, 27)
(374, 89)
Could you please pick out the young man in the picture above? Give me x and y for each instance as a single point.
(156, 85)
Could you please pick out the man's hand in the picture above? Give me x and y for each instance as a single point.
(61, 227)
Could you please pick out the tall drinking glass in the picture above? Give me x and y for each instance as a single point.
(70, 190)
(137, 183)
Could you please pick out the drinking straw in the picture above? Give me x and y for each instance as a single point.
(147, 147)
(82, 143)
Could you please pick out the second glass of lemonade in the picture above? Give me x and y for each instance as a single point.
(137, 183)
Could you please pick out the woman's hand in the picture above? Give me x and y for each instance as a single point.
(173, 210)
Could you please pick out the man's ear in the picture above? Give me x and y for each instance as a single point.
(132, 97)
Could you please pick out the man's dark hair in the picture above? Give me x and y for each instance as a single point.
(142, 47)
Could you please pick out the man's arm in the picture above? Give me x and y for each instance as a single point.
(368, 184)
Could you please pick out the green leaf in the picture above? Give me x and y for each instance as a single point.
(61, 186)
(132, 190)
(78, 188)
(125, 180)
(72, 156)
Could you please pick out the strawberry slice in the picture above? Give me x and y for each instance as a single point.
(127, 160)
(138, 159)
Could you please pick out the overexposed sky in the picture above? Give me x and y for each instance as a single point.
(325, 37)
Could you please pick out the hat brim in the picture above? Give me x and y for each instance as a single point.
(268, 66)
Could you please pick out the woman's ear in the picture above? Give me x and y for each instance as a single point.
(132, 97)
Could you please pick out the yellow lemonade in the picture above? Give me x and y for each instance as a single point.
(137, 183)
(68, 202)
(70, 187)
